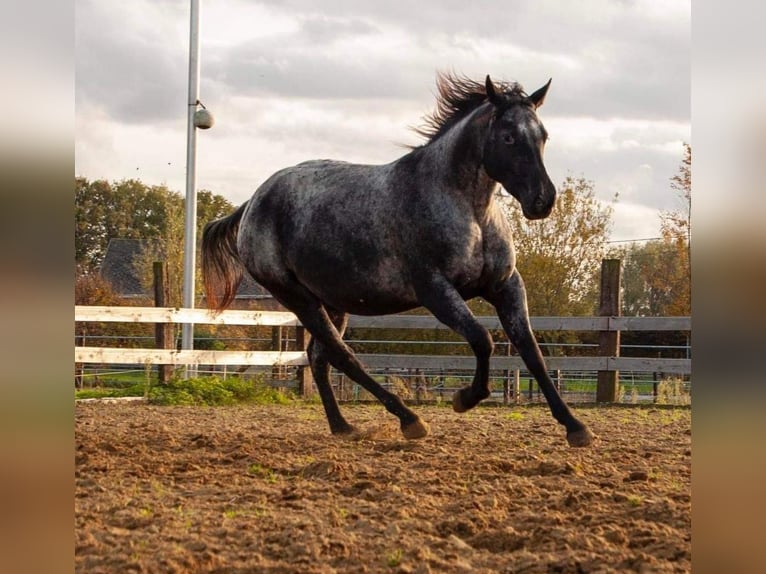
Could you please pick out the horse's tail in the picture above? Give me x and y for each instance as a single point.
(221, 265)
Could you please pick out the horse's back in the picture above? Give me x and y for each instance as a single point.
(334, 227)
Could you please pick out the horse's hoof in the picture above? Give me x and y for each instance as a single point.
(345, 430)
(457, 402)
(580, 438)
(416, 429)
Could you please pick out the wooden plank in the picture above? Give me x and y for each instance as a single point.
(183, 315)
(450, 362)
(489, 322)
(650, 324)
(280, 318)
(188, 357)
(648, 365)
(433, 362)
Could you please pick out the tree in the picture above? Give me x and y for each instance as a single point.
(133, 210)
(676, 232)
(168, 245)
(560, 257)
(103, 210)
(652, 278)
(657, 274)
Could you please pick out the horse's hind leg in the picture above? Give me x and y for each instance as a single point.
(320, 368)
(511, 304)
(313, 316)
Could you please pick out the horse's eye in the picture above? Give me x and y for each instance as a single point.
(508, 138)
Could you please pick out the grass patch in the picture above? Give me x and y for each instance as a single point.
(201, 391)
(394, 559)
(268, 474)
(136, 390)
(216, 391)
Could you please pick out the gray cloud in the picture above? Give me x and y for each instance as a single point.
(626, 66)
(346, 66)
(134, 75)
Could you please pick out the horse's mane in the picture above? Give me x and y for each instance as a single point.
(457, 97)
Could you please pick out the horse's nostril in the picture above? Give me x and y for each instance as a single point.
(539, 203)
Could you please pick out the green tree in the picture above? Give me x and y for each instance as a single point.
(133, 210)
(103, 210)
(168, 245)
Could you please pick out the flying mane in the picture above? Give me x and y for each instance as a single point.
(457, 97)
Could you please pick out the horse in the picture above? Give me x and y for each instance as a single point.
(328, 238)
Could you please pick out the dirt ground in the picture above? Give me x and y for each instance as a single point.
(268, 489)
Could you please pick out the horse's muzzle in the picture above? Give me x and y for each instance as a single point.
(540, 208)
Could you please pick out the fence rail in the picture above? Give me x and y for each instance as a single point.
(111, 355)
(285, 319)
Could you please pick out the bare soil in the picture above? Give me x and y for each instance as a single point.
(268, 489)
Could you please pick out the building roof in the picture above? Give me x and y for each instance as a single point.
(117, 268)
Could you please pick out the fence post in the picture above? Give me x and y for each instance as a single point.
(507, 374)
(305, 380)
(607, 387)
(79, 368)
(163, 332)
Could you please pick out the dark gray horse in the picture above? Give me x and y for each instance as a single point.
(328, 238)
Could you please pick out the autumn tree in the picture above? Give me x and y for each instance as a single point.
(652, 278)
(676, 231)
(560, 257)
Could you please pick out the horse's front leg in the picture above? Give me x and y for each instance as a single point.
(511, 304)
(440, 297)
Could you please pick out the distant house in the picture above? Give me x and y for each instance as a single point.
(118, 269)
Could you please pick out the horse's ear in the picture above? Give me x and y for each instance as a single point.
(491, 92)
(538, 97)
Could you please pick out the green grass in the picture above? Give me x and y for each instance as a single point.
(215, 391)
(201, 391)
(136, 390)
(268, 474)
(394, 559)
(514, 416)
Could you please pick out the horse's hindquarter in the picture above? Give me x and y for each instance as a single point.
(332, 226)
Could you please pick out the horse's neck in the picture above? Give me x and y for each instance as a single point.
(455, 160)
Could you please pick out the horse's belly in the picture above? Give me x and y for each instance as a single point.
(364, 293)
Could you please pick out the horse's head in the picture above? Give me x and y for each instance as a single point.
(513, 150)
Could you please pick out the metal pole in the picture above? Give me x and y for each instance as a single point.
(190, 221)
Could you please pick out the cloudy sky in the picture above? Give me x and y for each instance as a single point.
(347, 79)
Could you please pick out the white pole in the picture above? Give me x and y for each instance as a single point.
(190, 221)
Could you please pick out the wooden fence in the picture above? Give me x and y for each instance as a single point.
(606, 363)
